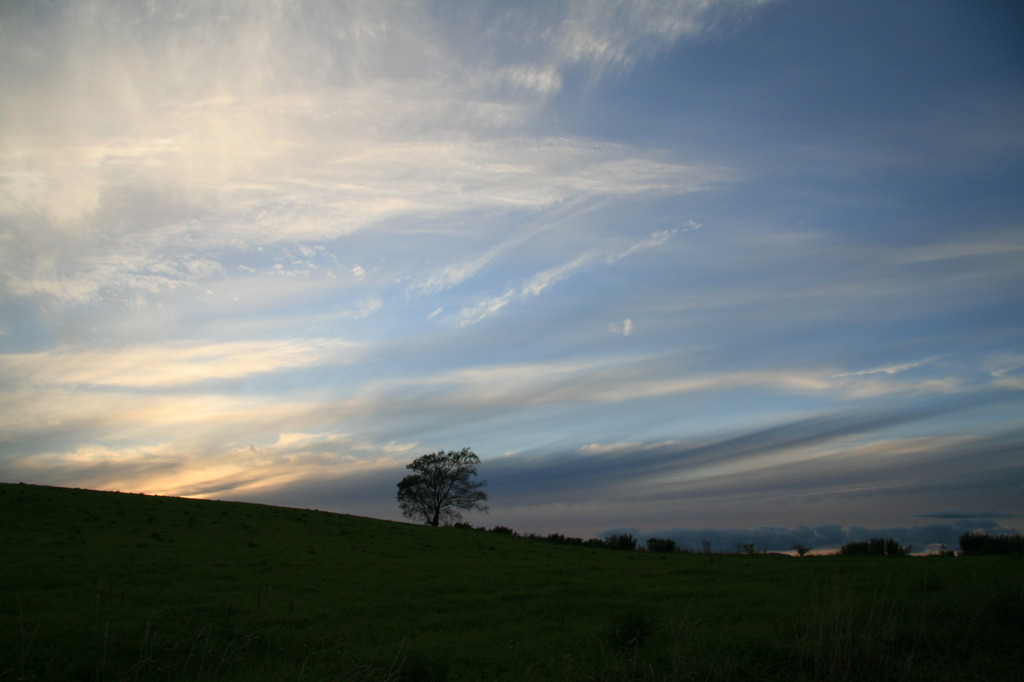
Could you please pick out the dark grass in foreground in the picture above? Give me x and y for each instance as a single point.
(109, 586)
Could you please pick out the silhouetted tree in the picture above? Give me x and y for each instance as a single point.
(661, 545)
(626, 542)
(441, 487)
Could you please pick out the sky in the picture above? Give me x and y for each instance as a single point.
(741, 270)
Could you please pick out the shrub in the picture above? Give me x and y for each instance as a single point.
(504, 531)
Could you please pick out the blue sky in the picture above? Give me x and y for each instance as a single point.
(690, 266)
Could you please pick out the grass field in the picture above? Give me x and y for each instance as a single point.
(111, 586)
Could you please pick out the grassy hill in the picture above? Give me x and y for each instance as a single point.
(112, 586)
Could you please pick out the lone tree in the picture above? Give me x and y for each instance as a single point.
(441, 487)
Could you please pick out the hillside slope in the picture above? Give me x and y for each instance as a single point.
(118, 586)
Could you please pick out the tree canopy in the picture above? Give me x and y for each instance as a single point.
(441, 487)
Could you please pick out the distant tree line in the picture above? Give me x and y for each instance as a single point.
(875, 547)
(978, 543)
(621, 541)
(626, 542)
(975, 543)
(661, 545)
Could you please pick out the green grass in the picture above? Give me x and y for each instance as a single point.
(110, 586)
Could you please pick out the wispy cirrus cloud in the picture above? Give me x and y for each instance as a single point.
(491, 390)
(272, 75)
(615, 45)
(1002, 364)
(535, 286)
(340, 196)
(456, 273)
(173, 364)
(546, 279)
(655, 240)
(887, 369)
(291, 133)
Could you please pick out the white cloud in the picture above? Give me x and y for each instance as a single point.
(610, 448)
(485, 308)
(626, 328)
(622, 448)
(655, 240)
(362, 310)
(1001, 364)
(886, 369)
(452, 275)
(546, 279)
(368, 307)
(543, 81)
(612, 35)
(328, 447)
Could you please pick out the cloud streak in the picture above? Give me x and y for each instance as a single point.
(809, 464)
(356, 131)
(546, 279)
(174, 364)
